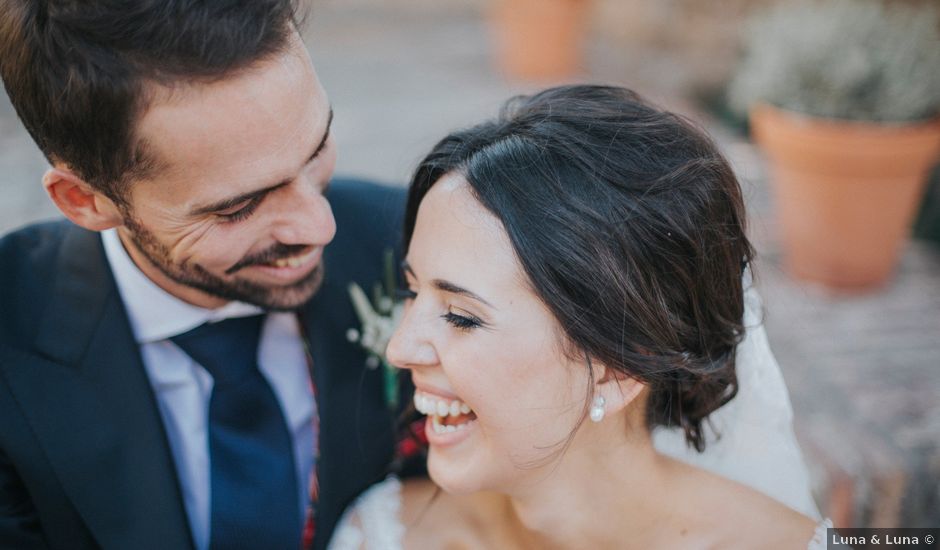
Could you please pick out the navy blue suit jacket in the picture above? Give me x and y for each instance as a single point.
(84, 458)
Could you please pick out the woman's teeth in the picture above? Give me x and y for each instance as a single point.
(458, 412)
(447, 428)
(429, 405)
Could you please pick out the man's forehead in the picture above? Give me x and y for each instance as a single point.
(253, 124)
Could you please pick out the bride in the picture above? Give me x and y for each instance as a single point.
(575, 273)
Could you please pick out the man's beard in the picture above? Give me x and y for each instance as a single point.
(275, 298)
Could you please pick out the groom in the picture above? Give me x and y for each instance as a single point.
(191, 153)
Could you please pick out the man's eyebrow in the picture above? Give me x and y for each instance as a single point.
(326, 136)
(448, 286)
(225, 204)
(232, 202)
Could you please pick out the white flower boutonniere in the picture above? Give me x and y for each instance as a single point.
(378, 318)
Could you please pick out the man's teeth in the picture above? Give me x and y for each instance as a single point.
(440, 408)
(295, 261)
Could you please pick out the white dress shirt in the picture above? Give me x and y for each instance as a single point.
(183, 387)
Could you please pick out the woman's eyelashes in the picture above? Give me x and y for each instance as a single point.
(464, 322)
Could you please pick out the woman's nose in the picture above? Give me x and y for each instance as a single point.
(409, 346)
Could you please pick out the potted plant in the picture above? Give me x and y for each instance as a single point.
(844, 98)
(539, 39)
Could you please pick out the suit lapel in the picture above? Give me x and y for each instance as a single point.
(356, 428)
(91, 406)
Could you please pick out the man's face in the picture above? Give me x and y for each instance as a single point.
(235, 209)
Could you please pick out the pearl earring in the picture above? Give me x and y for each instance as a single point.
(598, 409)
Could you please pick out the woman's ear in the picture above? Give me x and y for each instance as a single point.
(613, 391)
(80, 202)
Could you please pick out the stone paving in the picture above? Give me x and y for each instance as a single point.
(863, 372)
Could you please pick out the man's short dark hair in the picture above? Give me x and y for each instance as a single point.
(77, 72)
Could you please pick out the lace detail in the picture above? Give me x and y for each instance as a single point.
(818, 541)
(373, 521)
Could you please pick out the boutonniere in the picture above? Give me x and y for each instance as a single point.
(378, 318)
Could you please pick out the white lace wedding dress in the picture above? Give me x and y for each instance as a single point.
(756, 446)
(373, 523)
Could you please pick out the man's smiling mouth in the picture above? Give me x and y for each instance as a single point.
(295, 261)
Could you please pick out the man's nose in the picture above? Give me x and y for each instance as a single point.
(409, 346)
(304, 217)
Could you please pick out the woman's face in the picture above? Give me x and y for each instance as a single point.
(485, 353)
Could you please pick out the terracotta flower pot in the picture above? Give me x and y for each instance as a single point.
(846, 192)
(539, 39)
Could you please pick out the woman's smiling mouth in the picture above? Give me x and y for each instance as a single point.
(449, 420)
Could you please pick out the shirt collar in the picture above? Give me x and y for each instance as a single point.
(154, 313)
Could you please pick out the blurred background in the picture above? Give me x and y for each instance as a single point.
(856, 332)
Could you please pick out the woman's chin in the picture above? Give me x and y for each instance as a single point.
(454, 478)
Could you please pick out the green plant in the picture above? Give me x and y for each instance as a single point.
(845, 59)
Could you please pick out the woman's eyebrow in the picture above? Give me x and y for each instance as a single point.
(448, 286)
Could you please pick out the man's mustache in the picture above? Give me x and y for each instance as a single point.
(276, 252)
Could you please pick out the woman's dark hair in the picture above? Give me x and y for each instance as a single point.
(630, 227)
(76, 71)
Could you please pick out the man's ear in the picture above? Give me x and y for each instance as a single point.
(80, 202)
(617, 389)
